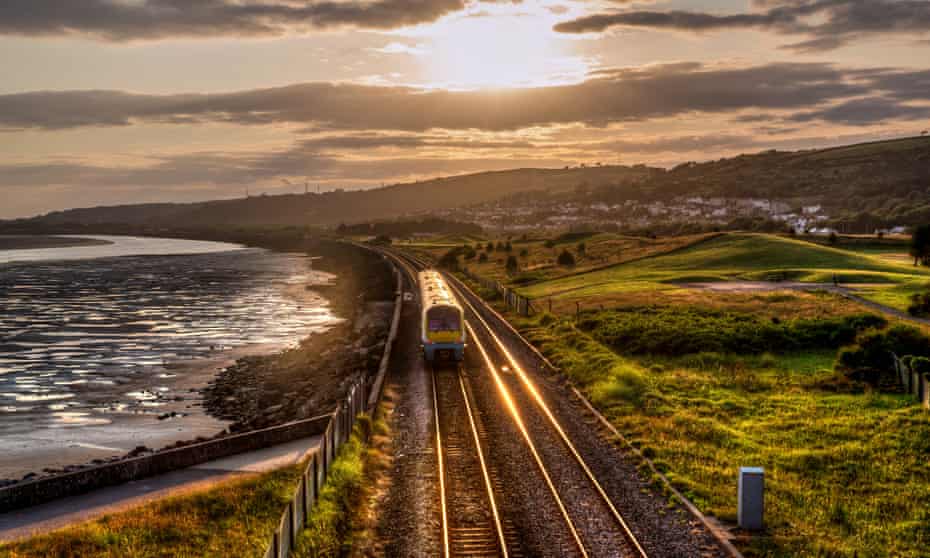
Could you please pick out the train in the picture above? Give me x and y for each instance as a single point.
(442, 320)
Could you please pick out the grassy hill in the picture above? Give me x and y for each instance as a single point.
(734, 257)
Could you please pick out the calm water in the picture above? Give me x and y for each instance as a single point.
(79, 328)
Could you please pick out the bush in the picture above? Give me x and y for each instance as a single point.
(676, 331)
(869, 359)
(450, 260)
(483, 257)
(512, 265)
(566, 259)
(920, 304)
(524, 253)
(550, 243)
(469, 253)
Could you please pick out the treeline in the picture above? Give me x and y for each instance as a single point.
(410, 227)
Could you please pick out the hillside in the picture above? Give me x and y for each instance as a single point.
(333, 208)
(863, 187)
(735, 257)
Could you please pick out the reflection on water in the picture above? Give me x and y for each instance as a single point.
(73, 332)
(118, 246)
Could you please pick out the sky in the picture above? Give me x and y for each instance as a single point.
(106, 102)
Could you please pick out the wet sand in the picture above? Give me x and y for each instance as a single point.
(180, 417)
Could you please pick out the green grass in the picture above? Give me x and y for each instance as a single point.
(235, 518)
(340, 522)
(847, 474)
(732, 257)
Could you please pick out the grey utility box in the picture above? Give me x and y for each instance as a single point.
(751, 500)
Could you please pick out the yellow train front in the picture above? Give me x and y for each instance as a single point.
(442, 321)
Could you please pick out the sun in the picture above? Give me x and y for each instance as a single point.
(503, 46)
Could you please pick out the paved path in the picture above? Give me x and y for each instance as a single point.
(46, 517)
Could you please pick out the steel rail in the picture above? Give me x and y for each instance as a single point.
(518, 420)
(540, 402)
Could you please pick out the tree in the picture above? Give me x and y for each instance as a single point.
(450, 260)
(512, 265)
(566, 259)
(920, 245)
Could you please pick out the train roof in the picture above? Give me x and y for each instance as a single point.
(434, 290)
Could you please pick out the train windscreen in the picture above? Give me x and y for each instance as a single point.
(443, 318)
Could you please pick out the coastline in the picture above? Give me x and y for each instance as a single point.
(37, 242)
(233, 390)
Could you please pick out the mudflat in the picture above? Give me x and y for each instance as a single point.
(29, 242)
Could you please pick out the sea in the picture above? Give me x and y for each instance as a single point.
(90, 338)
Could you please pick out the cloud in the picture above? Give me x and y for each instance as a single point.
(835, 22)
(120, 20)
(619, 95)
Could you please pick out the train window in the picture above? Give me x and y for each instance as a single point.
(443, 318)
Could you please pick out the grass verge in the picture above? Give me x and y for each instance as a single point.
(234, 518)
(846, 472)
(339, 524)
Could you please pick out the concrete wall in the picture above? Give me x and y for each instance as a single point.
(43, 490)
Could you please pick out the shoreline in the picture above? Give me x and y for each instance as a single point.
(234, 390)
(38, 242)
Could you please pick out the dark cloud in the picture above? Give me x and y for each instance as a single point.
(865, 111)
(119, 20)
(837, 22)
(610, 96)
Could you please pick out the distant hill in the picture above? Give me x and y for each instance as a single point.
(889, 180)
(357, 206)
(867, 185)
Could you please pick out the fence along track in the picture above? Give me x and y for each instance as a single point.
(541, 404)
(470, 518)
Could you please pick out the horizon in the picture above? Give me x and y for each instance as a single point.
(148, 102)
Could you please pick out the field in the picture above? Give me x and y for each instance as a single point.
(735, 257)
(846, 473)
(705, 381)
(537, 257)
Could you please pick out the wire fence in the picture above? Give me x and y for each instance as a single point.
(913, 382)
(297, 513)
(518, 303)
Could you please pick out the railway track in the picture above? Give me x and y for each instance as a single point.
(594, 522)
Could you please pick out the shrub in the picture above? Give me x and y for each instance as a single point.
(470, 253)
(566, 259)
(920, 364)
(869, 359)
(676, 331)
(920, 304)
(483, 257)
(550, 243)
(450, 260)
(512, 265)
(524, 253)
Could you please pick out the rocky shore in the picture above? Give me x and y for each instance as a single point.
(306, 381)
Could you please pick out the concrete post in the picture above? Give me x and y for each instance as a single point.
(915, 384)
(751, 498)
